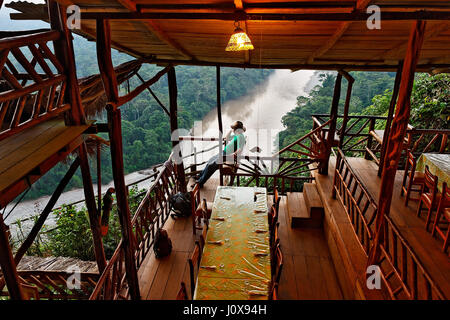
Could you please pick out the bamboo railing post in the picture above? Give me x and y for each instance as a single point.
(94, 220)
(389, 118)
(64, 52)
(173, 96)
(370, 139)
(350, 81)
(115, 136)
(8, 267)
(396, 135)
(332, 128)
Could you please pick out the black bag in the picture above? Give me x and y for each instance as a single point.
(163, 245)
(180, 204)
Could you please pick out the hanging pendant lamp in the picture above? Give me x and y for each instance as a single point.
(239, 40)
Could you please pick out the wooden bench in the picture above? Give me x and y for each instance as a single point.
(26, 156)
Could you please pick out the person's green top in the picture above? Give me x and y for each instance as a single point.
(237, 142)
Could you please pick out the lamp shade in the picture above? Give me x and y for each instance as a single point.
(239, 41)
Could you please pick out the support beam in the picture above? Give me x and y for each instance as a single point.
(396, 136)
(105, 64)
(350, 81)
(154, 28)
(220, 124)
(332, 128)
(242, 16)
(173, 95)
(8, 267)
(387, 129)
(360, 5)
(64, 52)
(145, 85)
(154, 96)
(128, 241)
(91, 205)
(47, 210)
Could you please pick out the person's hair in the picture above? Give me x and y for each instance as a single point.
(238, 125)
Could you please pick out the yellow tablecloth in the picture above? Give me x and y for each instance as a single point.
(244, 232)
(439, 165)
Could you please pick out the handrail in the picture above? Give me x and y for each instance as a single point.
(22, 40)
(394, 267)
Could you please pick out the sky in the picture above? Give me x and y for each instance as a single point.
(9, 25)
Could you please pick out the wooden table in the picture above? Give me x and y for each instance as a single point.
(240, 260)
(439, 165)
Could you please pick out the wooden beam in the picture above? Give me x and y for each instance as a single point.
(105, 64)
(396, 136)
(128, 241)
(8, 267)
(299, 66)
(219, 123)
(173, 94)
(400, 48)
(332, 128)
(350, 81)
(360, 5)
(145, 85)
(94, 217)
(154, 96)
(47, 210)
(64, 52)
(242, 16)
(154, 28)
(387, 129)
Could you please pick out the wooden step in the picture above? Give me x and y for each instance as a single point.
(299, 216)
(313, 201)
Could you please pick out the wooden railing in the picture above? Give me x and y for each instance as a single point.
(357, 134)
(33, 85)
(402, 273)
(151, 214)
(358, 204)
(53, 285)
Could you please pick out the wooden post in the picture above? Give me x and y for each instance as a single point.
(94, 218)
(115, 137)
(350, 81)
(45, 213)
(64, 53)
(387, 129)
(173, 94)
(99, 179)
(8, 267)
(332, 129)
(219, 120)
(396, 136)
(370, 139)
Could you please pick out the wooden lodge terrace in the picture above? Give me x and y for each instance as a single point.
(335, 197)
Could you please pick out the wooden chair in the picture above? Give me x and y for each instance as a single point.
(182, 293)
(194, 263)
(411, 178)
(274, 209)
(273, 295)
(430, 196)
(277, 265)
(443, 212)
(200, 209)
(276, 199)
(274, 237)
(203, 237)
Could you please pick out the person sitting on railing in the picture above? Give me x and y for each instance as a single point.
(233, 148)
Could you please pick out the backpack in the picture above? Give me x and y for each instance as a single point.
(163, 245)
(180, 204)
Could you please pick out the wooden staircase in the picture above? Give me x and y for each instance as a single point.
(305, 209)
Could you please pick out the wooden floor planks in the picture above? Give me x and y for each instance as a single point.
(308, 272)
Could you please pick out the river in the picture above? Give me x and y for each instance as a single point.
(261, 112)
